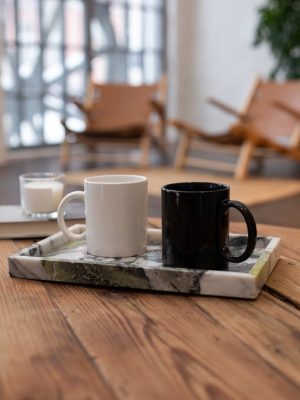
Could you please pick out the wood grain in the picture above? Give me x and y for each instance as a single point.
(285, 281)
(180, 347)
(132, 350)
(40, 356)
(131, 345)
(268, 326)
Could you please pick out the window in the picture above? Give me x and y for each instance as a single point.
(49, 48)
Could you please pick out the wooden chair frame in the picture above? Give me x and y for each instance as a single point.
(149, 134)
(241, 138)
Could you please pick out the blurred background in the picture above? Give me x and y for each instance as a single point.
(49, 48)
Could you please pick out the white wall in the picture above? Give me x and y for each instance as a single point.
(211, 54)
(2, 144)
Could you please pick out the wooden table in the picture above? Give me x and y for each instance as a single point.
(71, 342)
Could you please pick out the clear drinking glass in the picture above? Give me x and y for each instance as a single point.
(41, 193)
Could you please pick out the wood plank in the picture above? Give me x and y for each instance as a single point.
(282, 212)
(285, 281)
(119, 339)
(180, 347)
(40, 356)
(285, 278)
(268, 326)
(183, 347)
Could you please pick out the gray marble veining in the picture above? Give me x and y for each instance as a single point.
(55, 259)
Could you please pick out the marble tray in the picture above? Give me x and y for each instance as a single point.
(56, 259)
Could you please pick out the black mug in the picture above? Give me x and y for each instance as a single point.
(195, 226)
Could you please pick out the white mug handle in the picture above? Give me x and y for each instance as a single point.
(60, 216)
(154, 234)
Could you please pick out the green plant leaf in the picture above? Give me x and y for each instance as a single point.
(279, 27)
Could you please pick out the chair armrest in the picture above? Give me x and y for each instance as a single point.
(286, 108)
(187, 128)
(75, 100)
(227, 108)
(81, 105)
(64, 124)
(159, 107)
(68, 129)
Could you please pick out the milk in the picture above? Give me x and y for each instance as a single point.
(41, 196)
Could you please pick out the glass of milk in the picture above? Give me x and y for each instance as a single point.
(41, 193)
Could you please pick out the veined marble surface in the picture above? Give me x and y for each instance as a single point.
(58, 260)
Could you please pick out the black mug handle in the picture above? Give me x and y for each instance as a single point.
(251, 227)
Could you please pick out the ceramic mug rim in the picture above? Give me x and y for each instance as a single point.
(115, 179)
(187, 187)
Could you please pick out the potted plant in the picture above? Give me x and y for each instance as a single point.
(279, 27)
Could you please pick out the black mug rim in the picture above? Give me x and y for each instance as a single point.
(204, 187)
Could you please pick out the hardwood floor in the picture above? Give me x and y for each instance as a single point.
(283, 212)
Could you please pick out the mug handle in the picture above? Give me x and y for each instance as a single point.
(251, 227)
(154, 234)
(60, 216)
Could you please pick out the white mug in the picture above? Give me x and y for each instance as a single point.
(116, 215)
